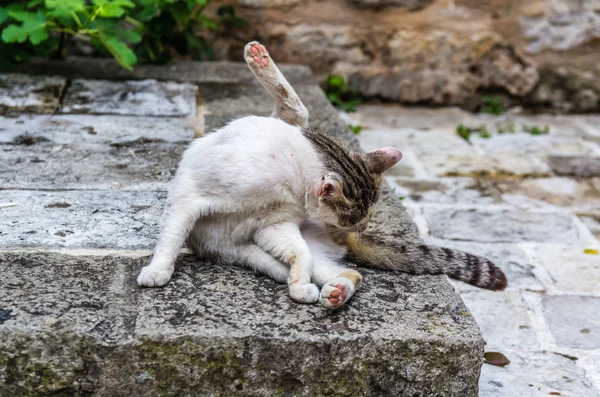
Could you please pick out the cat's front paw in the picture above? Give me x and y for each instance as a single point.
(152, 277)
(304, 293)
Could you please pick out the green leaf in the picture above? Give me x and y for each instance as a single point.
(3, 15)
(113, 8)
(122, 53)
(208, 23)
(33, 27)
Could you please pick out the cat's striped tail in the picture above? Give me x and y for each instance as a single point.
(385, 253)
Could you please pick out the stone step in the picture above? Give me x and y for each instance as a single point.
(80, 203)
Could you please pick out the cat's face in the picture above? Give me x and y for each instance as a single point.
(346, 194)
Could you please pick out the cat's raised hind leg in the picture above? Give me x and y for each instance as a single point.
(338, 283)
(288, 107)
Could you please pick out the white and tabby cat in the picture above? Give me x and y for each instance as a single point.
(291, 203)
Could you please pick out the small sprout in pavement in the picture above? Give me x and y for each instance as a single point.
(492, 105)
(511, 127)
(590, 251)
(464, 132)
(356, 129)
(500, 130)
(536, 130)
(401, 198)
(483, 132)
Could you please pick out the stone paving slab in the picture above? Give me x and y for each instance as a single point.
(88, 218)
(501, 226)
(574, 320)
(44, 165)
(571, 270)
(20, 93)
(451, 190)
(459, 164)
(133, 98)
(217, 327)
(527, 144)
(575, 165)
(535, 374)
(72, 129)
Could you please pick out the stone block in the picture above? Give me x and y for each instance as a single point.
(459, 164)
(21, 93)
(578, 166)
(571, 269)
(534, 374)
(224, 331)
(539, 146)
(501, 226)
(133, 98)
(573, 320)
(559, 191)
(81, 218)
(507, 326)
(447, 190)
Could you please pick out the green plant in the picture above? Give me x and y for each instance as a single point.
(356, 129)
(536, 130)
(483, 132)
(464, 132)
(492, 105)
(338, 94)
(149, 30)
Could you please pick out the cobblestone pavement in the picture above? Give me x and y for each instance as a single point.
(531, 202)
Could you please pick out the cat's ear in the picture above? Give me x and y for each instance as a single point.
(382, 159)
(329, 187)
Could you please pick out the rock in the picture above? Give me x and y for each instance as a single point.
(458, 164)
(136, 98)
(592, 224)
(573, 320)
(501, 226)
(533, 145)
(21, 93)
(462, 190)
(556, 191)
(571, 269)
(578, 166)
(534, 374)
(114, 337)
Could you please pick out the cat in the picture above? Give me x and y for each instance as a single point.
(291, 203)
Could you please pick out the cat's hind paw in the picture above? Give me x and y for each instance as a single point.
(339, 290)
(256, 55)
(150, 277)
(304, 293)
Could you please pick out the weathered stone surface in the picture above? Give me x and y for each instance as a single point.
(88, 218)
(462, 190)
(575, 165)
(534, 374)
(535, 145)
(195, 334)
(556, 191)
(509, 257)
(577, 328)
(20, 93)
(268, 3)
(513, 331)
(116, 130)
(571, 269)
(501, 226)
(592, 224)
(458, 164)
(135, 98)
(131, 166)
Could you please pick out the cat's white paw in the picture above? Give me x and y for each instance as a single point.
(337, 292)
(256, 55)
(152, 277)
(304, 293)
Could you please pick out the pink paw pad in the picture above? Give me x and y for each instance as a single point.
(260, 55)
(337, 297)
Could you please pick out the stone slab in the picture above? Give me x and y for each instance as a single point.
(447, 190)
(459, 164)
(578, 166)
(72, 129)
(224, 331)
(86, 218)
(556, 191)
(501, 226)
(535, 374)
(508, 325)
(592, 224)
(134, 98)
(571, 269)
(539, 146)
(185, 72)
(573, 320)
(44, 165)
(21, 93)
(513, 261)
